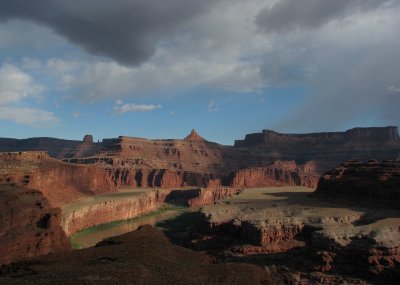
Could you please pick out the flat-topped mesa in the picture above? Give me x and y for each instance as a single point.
(194, 136)
(373, 134)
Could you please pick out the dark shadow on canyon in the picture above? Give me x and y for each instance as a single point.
(178, 229)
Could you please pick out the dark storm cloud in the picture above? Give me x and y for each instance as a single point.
(286, 15)
(127, 31)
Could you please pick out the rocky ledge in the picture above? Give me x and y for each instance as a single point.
(285, 226)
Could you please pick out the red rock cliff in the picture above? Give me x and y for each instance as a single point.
(280, 173)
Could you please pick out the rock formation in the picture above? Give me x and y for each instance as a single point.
(196, 155)
(29, 226)
(36, 226)
(372, 180)
(308, 234)
(59, 182)
(278, 174)
(326, 149)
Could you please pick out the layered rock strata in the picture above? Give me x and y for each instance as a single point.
(194, 154)
(125, 174)
(127, 205)
(278, 174)
(326, 149)
(82, 216)
(59, 182)
(373, 180)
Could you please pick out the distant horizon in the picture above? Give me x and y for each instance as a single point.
(99, 140)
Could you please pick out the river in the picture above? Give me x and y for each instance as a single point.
(90, 237)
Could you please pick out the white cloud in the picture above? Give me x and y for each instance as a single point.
(28, 116)
(172, 113)
(131, 107)
(16, 85)
(211, 107)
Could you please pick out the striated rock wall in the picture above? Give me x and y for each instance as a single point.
(113, 210)
(280, 173)
(373, 180)
(164, 178)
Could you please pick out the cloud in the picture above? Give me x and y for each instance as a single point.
(131, 107)
(28, 116)
(211, 107)
(128, 31)
(288, 15)
(16, 85)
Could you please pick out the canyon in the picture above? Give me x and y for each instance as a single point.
(274, 200)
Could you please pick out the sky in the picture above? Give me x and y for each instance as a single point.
(157, 68)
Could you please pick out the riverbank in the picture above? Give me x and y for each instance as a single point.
(91, 236)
